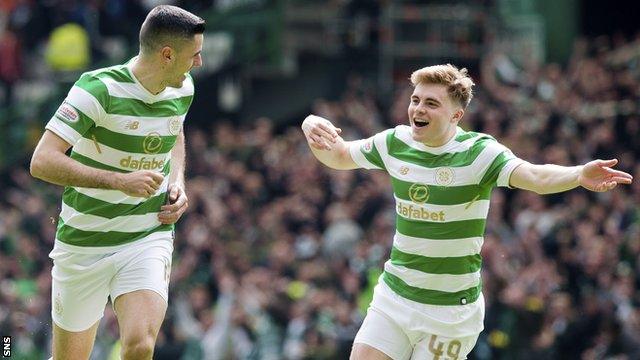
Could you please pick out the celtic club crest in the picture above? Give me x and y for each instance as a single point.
(444, 176)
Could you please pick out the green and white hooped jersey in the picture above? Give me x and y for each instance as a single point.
(114, 123)
(442, 201)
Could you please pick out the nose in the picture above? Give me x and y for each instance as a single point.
(198, 61)
(421, 109)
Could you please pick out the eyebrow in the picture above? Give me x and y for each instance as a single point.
(428, 99)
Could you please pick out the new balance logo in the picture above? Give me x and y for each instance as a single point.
(132, 125)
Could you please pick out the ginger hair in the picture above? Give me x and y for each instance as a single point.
(458, 82)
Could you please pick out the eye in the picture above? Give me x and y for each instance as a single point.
(415, 101)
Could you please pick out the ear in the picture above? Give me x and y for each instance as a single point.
(167, 54)
(457, 116)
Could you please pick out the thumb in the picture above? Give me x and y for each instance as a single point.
(339, 131)
(609, 163)
(173, 195)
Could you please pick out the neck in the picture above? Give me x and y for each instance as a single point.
(148, 75)
(442, 141)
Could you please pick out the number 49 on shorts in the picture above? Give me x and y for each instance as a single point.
(444, 350)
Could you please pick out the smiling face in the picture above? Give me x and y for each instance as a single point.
(182, 59)
(433, 115)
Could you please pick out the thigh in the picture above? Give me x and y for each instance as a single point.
(139, 290)
(69, 345)
(362, 351)
(383, 338)
(79, 289)
(140, 314)
(143, 268)
(442, 347)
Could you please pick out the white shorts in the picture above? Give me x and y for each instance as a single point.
(405, 329)
(82, 283)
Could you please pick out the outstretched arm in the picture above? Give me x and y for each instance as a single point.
(596, 175)
(326, 144)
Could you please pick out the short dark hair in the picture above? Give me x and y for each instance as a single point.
(166, 23)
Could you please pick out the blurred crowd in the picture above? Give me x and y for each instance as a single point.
(277, 255)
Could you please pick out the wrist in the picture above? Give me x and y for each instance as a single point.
(115, 181)
(178, 183)
(578, 175)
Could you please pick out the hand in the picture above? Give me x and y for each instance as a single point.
(177, 205)
(141, 183)
(597, 175)
(320, 132)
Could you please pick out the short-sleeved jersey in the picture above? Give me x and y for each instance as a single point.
(442, 201)
(114, 123)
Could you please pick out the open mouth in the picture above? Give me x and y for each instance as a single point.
(420, 122)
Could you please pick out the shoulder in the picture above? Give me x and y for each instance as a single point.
(463, 135)
(401, 130)
(101, 82)
(118, 73)
(473, 140)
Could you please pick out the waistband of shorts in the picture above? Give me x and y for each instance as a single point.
(160, 237)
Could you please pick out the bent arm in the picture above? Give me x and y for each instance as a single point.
(326, 144)
(338, 157)
(51, 164)
(596, 175)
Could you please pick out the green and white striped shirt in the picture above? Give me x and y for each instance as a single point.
(442, 201)
(114, 123)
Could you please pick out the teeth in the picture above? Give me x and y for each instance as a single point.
(420, 122)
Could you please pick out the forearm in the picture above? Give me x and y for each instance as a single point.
(178, 161)
(58, 168)
(337, 158)
(550, 178)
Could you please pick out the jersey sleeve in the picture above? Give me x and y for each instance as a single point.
(500, 164)
(368, 153)
(83, 108)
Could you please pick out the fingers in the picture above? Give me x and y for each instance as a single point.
(325, 132)
(170, 213)
(320, 132)
(153, 184)
(318, 142)
(154, 180)
(174, 206)
(157, 177)
(621, 180)
(173, 212)
(328, 130)
(618, 173)
(150, 190)
(610, 184)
